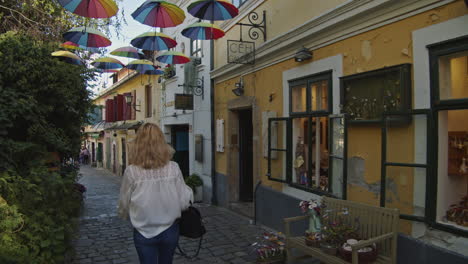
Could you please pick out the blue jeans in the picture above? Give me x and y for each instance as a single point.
(159, 249)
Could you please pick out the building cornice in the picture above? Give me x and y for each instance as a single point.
(347, 20)
(245, 9)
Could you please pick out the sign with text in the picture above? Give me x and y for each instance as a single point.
(183, 101)
(241, 52)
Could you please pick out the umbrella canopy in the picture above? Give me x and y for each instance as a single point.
(107, 63)
(91, 8)
(128, 52)
(153, 72)
(141, 65)
(70, 45)
(107, 70)
(157, 13)
(67, 57)
(173, 57)
(87, 37)
(213, 10)
(203, 31)
(153, 41)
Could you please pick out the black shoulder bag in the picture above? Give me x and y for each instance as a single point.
(191, 226)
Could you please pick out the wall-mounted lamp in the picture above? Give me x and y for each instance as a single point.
(129, 100)
(302, 55)
(239, 90)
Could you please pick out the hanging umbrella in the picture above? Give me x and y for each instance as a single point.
(91, 8)
(67, 57)
(157, 13)
(128, 52)
(213, 10)
(156, 71)
(141, 65)
(106, 63)
(87, 37)
(153, 41)
(203, 31)
(107, 70)
(173, 57)
(70, 45)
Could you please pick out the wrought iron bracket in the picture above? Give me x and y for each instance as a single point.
(255, 26)
(197, 89)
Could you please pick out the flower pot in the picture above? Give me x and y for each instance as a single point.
(312, 242)
(364, 257)
(198, 195)
(329, 249)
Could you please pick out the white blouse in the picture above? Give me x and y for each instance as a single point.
(153, 198)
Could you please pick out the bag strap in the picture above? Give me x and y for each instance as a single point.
(182, 253)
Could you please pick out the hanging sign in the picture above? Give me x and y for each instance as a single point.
(241, 52)
(183, 101)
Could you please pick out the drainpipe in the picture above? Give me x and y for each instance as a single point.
(214, 197)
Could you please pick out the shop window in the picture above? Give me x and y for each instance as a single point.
(449, 89)
(366, 96)
(298, 152)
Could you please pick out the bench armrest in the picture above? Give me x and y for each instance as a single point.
(371, 241)
(289, 220)
(367, 242)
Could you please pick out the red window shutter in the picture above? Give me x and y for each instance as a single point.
(134, 100)
(115, 109)
(108, 110)
(111, 110)
(120, 106)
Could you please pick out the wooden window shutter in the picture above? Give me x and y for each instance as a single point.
(120, 106)
(110, 111)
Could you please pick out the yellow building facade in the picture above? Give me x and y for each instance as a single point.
(114, 134)
(320, 122)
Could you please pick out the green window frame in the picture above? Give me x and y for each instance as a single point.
(366, 96)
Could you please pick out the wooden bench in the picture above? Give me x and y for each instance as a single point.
(376, 224)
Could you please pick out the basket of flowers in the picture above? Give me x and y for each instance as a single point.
(269, 249)
(365, 254)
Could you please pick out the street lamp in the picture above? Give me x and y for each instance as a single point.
(129, 100)
(302, 55)
(239, 90)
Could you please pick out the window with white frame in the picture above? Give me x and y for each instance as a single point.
(196, 48)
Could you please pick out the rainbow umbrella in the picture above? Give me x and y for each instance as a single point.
(70, 45)
(128, 52)
(213, 10)
(203, 31)
(173, 57)
(67, 57)
(107, 63)
(87, 37)
(158, 13)
(153, 41)
(141, 65)
(91, 8)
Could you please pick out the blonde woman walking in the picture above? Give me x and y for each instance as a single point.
(153, 194)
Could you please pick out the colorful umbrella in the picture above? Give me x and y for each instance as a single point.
(67, 57)
(203, 31)
(153, 41)
(128, 52)
(213, 10)
(157, 13)
(173, 57)
(70, 45)
(107, 63)
(153, 72)
(87, 37)
(141, 65)
(91, 8)
(107, 70)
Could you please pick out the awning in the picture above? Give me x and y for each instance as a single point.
(126, 126)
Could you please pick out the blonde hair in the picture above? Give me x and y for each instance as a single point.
(150, 150)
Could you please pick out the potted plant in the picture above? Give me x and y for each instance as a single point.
(335, 233)
(269, 249)
(169, 71)
(195, 182)
(312, 235)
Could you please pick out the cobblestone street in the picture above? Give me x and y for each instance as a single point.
(105, 238)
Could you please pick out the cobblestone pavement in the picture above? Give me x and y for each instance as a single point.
(105, 238)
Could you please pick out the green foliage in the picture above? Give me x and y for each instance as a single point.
(38, 226)
(193, 181)
(43, 104)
